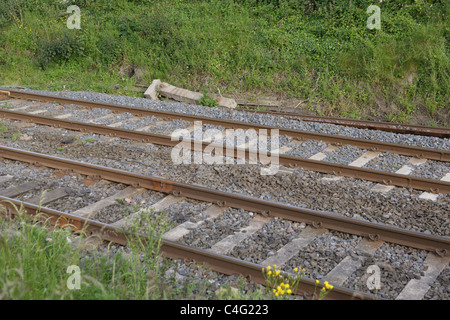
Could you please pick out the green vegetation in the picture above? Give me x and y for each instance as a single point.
(8, 133)
(316, 50)
(34, 264)
(5, 105)
(3, 127)
(207, 101)
(87, 140)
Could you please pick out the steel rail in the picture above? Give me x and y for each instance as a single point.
(374, 231)
(395, 179)
(217, 262)
(428, 153)
(440, 132)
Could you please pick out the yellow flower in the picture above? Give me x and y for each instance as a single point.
(303, 269)
(282, 292)
(289, 291)
(278, 272)
(286, 286)
(296, 270)
(269, 272)
(328, 286)
(274, 266)
(268, 267)
(274, 291)
(276, 294)
(317, 281)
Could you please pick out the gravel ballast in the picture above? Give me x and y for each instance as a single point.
(263, 119)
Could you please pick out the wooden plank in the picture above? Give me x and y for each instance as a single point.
(5, 178)
(288, 251)
(366, 157)
(160, 205)
(321, 155)
(48, 196)
(183, 229)
(12, 192)
(91, 209)
(405, 169)
(64, 116)
(37, 111)
(226, 245)
(340, 273)
(417, 288)
(433, 196)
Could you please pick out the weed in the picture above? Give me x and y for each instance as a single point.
(15, 136)
(3, 127)
(207, 101)
(6, 106)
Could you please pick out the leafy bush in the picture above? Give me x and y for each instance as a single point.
(60, 49)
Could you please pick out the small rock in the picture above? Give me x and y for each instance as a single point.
(25, 137)
(67, 140)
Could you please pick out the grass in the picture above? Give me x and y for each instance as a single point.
(8, 133)
(3, 127)
(36, 263)
(316, 50)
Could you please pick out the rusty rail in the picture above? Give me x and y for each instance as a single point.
(374, 231)
(435, 186)
(439, 132)
(333, 139)
(217, 262)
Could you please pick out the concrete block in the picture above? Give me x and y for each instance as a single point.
(152, 91)
(179, 94)
(182, 95)
(226, 102)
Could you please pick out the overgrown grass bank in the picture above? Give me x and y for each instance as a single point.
(315, 50)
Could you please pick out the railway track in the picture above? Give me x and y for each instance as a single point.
(369, 236)
(363, 124)
(353, 169)
(375, 125)
(216, 205)
(116, 232)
